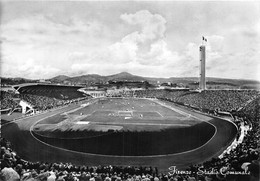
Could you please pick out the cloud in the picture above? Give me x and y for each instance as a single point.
(47, 42)
(215, 43)
(143, 49)
(152, 25)
(159, 54)
(46, 25)
(29, 69)
(40, 32)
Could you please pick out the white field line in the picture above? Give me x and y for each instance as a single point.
(176, 110)
(82, 122)
(47, 124)
(128, 123)
(159, 114)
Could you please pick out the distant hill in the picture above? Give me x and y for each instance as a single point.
(191, 82)
(125, 76)
(59, 78)
(86, 79)
(95, 78)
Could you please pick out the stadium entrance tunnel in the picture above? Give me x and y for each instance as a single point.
(132, 143)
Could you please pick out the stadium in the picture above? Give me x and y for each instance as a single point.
(67, 114)
(156, 128)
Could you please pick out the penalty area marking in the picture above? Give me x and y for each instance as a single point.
(159, 114)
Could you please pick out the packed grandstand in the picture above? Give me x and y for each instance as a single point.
(241, 158)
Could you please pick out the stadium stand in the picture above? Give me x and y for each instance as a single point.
(52, 91)
(42, 97)
(224, 100)
(7, 100)
(42, 102)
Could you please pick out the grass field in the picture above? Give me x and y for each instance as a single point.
(129, 113)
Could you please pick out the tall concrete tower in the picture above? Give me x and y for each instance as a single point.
(202, 84)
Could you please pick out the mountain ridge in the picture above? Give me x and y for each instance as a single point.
(89, 79)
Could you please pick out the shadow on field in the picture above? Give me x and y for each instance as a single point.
(125, 143)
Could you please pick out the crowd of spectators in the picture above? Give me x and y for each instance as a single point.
(224, 100)
(42, 102)
(10, 100)
(7, 100)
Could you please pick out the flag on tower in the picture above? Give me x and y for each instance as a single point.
(204, 39)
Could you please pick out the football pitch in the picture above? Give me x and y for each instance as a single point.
(130, 114)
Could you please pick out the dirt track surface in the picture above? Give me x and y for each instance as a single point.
(29, 148)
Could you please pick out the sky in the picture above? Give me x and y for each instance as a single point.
(43, 39)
